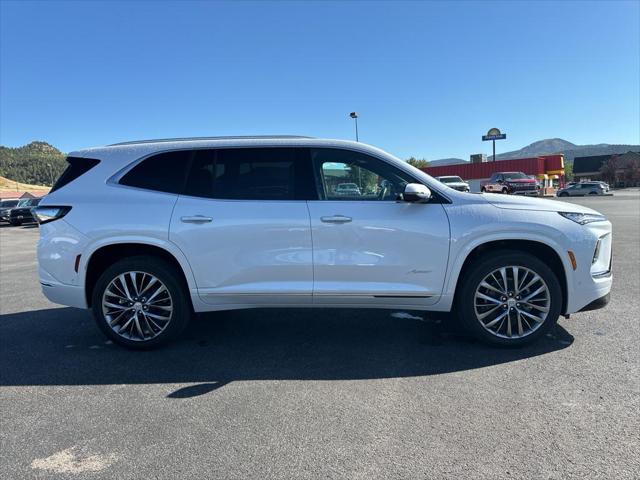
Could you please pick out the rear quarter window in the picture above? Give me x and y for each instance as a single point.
(165, 172)
(76, 167)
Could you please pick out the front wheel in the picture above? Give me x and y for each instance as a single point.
(139, 302)
(509, 298)
(505, 191)
(563, 194)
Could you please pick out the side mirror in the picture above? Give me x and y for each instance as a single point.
(416, 192)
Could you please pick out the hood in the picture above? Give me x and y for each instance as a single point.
(456, 184)
(521, 180)
(516, 202)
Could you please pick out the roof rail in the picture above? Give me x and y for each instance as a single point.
(236, 137)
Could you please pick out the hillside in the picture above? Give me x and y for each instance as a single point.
(548, 147)
(36, 163)
(10, 185)
(568, 149)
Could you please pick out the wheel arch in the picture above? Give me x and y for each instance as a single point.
(104, 255)
(544, 252)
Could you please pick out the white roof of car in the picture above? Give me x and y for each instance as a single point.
(140, 148)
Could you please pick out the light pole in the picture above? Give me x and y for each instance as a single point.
(354, 115)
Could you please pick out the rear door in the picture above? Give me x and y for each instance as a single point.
(243, 223)
(369, 247)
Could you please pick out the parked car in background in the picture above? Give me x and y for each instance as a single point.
(516, 183)
(348, 189)
(604, 184)
(22, 212)
(582, 189)
(5, 208)
(454, 182)
(146, 233)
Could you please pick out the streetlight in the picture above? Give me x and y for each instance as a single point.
(354, 115)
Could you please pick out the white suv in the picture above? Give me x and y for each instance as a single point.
(146, 233)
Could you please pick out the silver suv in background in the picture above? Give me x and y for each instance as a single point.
(582, 189)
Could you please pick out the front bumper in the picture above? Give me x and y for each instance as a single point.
(597, 304)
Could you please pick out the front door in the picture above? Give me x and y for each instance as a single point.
(243, 223)
(369, 247)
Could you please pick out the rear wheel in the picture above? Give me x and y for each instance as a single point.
(139, 303)
(510, 298)
(563, 194)
(504, 190)
(483, 190)
(15, 223)
(593, 193)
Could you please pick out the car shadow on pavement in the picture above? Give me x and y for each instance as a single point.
(62, 346)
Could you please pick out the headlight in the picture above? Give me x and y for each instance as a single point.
(583, 218)
(49, 214)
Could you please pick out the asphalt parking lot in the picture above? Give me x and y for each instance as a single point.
(320, 394)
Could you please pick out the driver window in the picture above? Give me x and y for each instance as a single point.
(347, 175)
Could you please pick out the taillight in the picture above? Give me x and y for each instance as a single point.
(49, 214)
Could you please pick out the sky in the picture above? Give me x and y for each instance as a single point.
(427, 79)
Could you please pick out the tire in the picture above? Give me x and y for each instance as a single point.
(483, 190)
(161, 317)
(504, 191)
(15, 223)
(528, 267)
(593, 193)
(563, 194)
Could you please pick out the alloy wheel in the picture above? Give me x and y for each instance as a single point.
(137, 306)
(512, 302)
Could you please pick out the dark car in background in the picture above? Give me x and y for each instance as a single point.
(514, 183)
(5, 208)
(22, 212)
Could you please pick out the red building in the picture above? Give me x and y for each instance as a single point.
(545, 168)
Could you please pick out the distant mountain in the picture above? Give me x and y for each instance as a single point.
(36, 163)
(446, 161)
(568, 149)
(549, 147)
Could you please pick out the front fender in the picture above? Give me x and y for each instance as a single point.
(467, 234)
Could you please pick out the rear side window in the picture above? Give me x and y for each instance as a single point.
(165, 172)
(77, 166)
(252, 174)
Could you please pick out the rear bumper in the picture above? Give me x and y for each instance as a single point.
(60, 293)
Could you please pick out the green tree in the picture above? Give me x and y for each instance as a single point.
(37, 163)
(609, 169)
(568, 171)
(418, 162)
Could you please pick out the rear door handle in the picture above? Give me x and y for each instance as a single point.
(336, 219)
(196, 219)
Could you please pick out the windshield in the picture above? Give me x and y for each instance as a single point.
(451, 179)
(515, 176)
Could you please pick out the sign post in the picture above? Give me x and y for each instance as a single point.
(494, 134)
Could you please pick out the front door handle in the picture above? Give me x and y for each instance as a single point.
(336, 219)
(196, 219)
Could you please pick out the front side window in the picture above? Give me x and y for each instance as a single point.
(251, 174)
(164, 172)
(348, 175)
